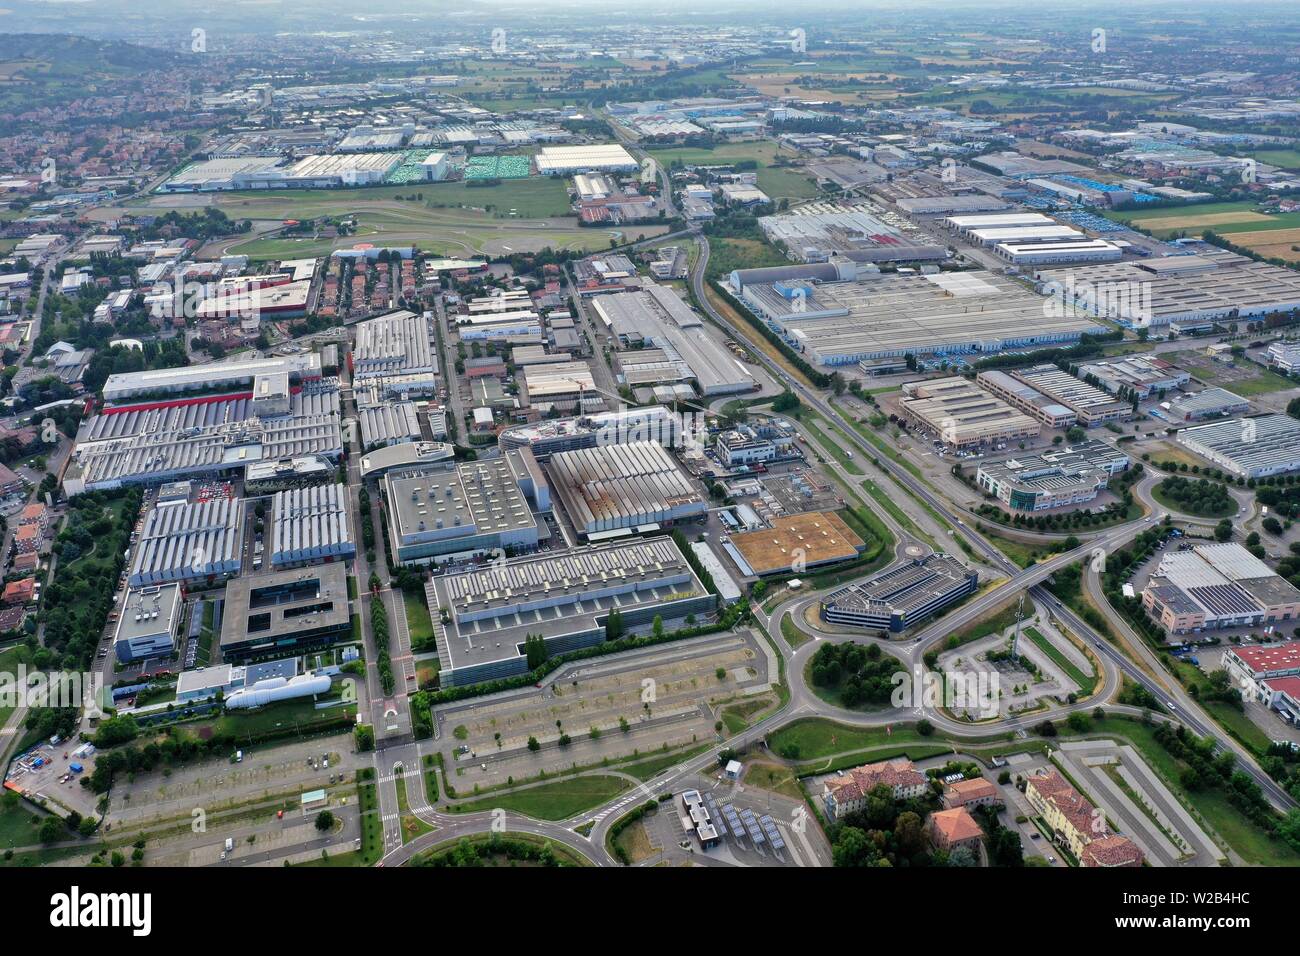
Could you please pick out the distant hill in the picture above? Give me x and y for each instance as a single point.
(33, 56)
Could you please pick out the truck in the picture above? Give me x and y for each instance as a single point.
(230, 844)
(75, 767)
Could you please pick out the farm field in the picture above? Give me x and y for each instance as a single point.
(1285, 158)
(1225, 218)
(1271, 243)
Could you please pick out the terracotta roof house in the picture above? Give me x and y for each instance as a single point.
(970, 793)
(848, 793)
(21, 591)
(950, 829)
(1113, 850)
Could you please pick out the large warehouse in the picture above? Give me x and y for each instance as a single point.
(183, 541)
(891, 315)
(310, 525)
(567, 160)
(1216, 586)
(565, 597)
(615, 487)
(394, 344)
(1041, 389)
(658, 316)
(1248, 447)
(1212, 285)
(235, 375)
(899, 598)
(964, 416)
(151, 444)
(794, 544)
(815, 231)
(439, 511)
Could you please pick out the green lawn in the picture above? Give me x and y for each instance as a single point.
(792, 633)
(1087, 683)
(299, 714)
(417, 619)
(10, 658)
(779, 182)
(837, 446)
(551, 801)
(816, 737)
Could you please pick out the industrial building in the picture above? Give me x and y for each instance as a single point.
(563, 386)
(437, 512)
(611, 488)
(1044, 390)
(284, 613)
(390, 423)
(1217, 586)
(236, 374)
(149, 623)
(183, 541)
(1136, 375)
(1285, 356)
(1067, 250)
(310, 525)
(1266, 670)
(816, 231)
(1248, 447)
(162, 442)
(1055, 478)
(566, 598)
(657, 316)
(794, 544)
(902, 596)
(652, 423)
(568, 160)
(397, 344)
(879, 315)
(1210, 285)
(1208, 403)
(963, 416)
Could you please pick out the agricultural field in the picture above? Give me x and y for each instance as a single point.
(1225, 218)
(1271, 243)
(1285, 158)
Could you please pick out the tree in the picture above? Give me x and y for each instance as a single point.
(533, 745)
(657, 628)
(324, 821)
(924, 727)
(365, 737)
(51, 830)
(614, 625)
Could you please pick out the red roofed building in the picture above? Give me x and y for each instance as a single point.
(970, 793)
(22, 591)
(1283, 695)
(950, 829)
(1111, 850)
(1255, 664)
(848, 793)
(28, 539)
(1077, 823)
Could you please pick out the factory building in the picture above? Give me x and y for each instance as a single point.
(1186, 290)
(619, 487)
(963, 416)
(652, 423)
(566, 598)
(1055, 478)
(156, 443)
(310, 525)
(1208, 403)
(438, 512)
(149, 623)
(1218, 586)
(901, 597)
(816, 231)
(1139, 375)
(397, 344)
(563, 386)
(794, 544)
(1285, 356)
(388, 424)
(285, 613)
(879, 315)
(183, 541)
(568, 160)
(1248, 447)
(234, 375)
(1044, 391)
(657, 316)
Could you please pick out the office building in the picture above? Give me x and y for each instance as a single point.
(285, 613)
(1054, 478)
(902, 596)
(149, 623)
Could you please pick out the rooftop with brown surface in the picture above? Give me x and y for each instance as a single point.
(822, 536)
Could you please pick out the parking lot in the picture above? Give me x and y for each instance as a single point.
(45, 773)
(664, 694)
